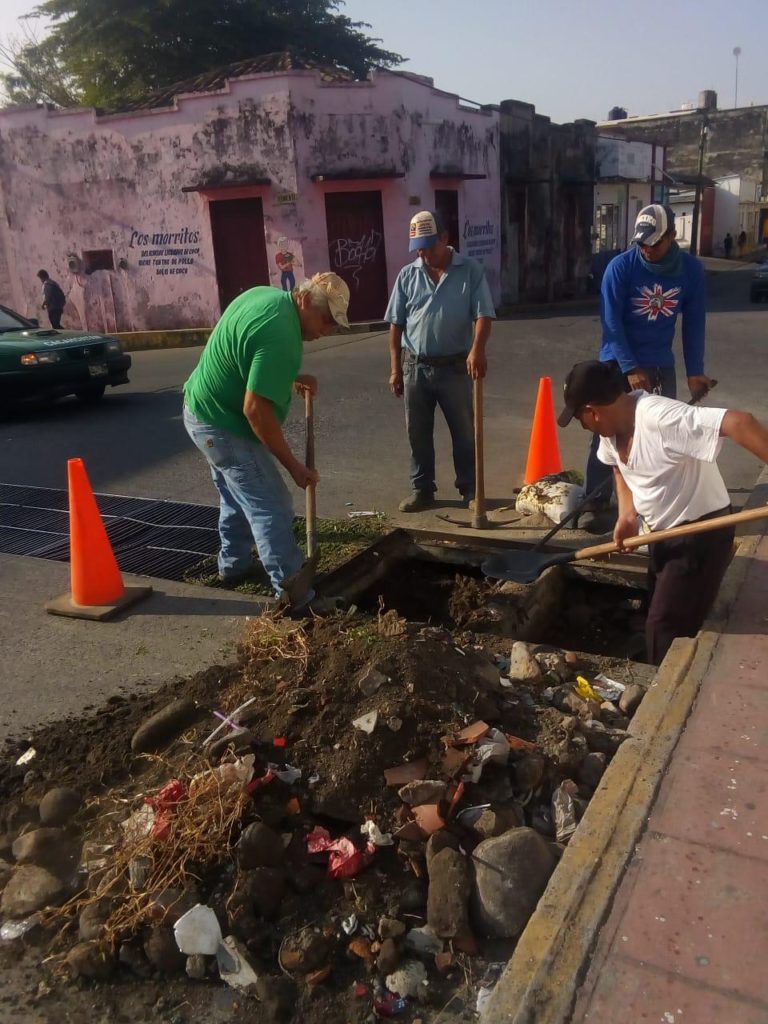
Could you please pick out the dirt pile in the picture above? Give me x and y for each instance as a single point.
(344, 838)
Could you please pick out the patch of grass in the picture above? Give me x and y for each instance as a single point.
(338, 540)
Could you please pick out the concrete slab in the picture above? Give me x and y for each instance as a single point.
(53, 666)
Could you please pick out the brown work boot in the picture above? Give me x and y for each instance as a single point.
(417, 501)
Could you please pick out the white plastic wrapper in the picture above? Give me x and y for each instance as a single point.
(551, 497)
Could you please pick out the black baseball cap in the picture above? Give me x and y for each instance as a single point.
(590, 383)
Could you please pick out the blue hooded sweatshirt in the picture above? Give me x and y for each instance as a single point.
(639, 309)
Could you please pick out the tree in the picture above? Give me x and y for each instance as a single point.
(35, 74)
(113, 51)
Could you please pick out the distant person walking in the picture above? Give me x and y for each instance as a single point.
(54, 299)
(728, 245)
(741, 242)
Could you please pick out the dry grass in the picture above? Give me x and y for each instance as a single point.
(272, 636)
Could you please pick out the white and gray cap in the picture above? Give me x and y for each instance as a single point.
(652, 224)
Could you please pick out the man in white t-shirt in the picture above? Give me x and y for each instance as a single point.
(663, 455)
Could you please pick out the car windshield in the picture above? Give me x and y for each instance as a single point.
(9, 322)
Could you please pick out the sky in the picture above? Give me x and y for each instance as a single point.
(570, 58)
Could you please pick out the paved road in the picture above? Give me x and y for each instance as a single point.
(134, 443)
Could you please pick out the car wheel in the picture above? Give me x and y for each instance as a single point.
(91, 394)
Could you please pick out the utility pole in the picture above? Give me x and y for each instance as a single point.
(736, 54)
(694, 249)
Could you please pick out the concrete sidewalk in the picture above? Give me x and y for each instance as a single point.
(686, 941)
(53, 667)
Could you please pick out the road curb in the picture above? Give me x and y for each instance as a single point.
(146, 341)
(541, 980)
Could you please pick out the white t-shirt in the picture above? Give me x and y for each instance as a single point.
(671, 469)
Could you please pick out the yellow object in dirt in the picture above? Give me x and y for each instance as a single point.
(585, 691)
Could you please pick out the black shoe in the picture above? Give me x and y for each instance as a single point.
(418, 501)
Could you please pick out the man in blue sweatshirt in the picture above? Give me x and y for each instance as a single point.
(644, 290)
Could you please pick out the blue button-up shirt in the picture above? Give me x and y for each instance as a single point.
(438, 319)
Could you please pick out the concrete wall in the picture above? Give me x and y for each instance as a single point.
(72, 181)
(547, 173)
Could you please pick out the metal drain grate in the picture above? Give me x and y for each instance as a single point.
(150, 537)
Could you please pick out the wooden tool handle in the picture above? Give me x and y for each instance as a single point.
(479, 519)
(311, 506)
(704, 526)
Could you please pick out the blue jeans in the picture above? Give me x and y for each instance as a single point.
(287, 281)
(255, 504)
(450, 387)
(665, 383)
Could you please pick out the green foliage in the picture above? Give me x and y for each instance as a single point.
(114, 51)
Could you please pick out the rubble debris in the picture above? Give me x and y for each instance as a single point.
(422, 941)
(375, 835)
(510, 874)
(29, 889)
(404, 773)
(591, 770)
(259, 847)
(29, 755)
(523, 666)
(49, 848)
(388, 958)
(234, 966)
(371, 681)
(366, 723)
(564, 810)
(448, 897)
(59, 806)
(165, 725)
(608, 689)
(198, 932)
(409, 981)
(89, 960)
(630, 699)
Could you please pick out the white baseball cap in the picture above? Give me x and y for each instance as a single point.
(426, 227)
(652, 224)
(337, 292)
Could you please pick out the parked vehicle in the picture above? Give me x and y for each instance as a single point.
(758, 288)
(42, 363)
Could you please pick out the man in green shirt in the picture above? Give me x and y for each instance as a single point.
(235, 403)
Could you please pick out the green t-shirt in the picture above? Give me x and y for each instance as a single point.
(256, 346)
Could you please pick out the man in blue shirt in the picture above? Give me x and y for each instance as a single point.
(440, 313)
(644, 290)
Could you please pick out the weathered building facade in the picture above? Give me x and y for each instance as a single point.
(735, 144)
(157, 216)
(547, 181)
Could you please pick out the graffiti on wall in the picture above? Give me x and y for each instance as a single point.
(286, 262)
(352, 254)
(166, 252)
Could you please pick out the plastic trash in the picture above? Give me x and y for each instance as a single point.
(366, 723)
(375, 835)
(15, 929)
(608, 688)
(345, 860)
(409, 980)
(231, 773)
(585, 690)
(233, 966)
(487, 985)
(470, 815)
(29, 755)
(198, 931)
(564, 810)
(423, 942)
(227, 721)
(493, 748)
(139, 824)
(361, 515)
(349, 924)
(553, 497)
(389, 1006)
(287, 774)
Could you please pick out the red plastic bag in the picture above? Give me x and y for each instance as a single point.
(163, 803)
(345, 859)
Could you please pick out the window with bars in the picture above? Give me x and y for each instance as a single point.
(606, 228)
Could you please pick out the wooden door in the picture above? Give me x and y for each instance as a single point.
(356, 250)
(239, 246)
(447, 205)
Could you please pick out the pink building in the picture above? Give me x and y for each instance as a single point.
(264, 173)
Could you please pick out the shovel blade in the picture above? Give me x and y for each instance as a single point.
(297, 587)
(520, 566)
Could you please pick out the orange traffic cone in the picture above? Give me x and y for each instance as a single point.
(98, 591)
(544, 450)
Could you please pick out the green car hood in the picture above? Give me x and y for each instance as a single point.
(16, 343)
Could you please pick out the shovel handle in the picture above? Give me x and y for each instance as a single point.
(311, 506)
(732, 519)
(479, 518)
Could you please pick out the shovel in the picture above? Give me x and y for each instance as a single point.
(299, 585)
(527, 566)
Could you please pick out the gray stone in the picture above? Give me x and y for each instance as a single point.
(495, 822)
(59, 805)
(92, 919)
(414, 897)
(5, 873)
(529, 772)
(591, 770)
(371, 681)
(162, 952)
(308, 951)
(487, 674)
(30, 889)
(164, 726)
(196, 967)
(132, 956)
(573, 704)
(260, 891)
(612, 717)
(277, 997)
(510, 874)
(240, 742)
(437, 842)
(552, 661)
(390, 928)
(523, 667)
(602, 740)
(629, 701)
(448, 897)
(389, 957)
(48, 848)
(90, 960)
(260, 847)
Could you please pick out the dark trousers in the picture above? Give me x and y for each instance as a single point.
(684, 576)
(448, 386)
(54, 315)
(663, 378)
